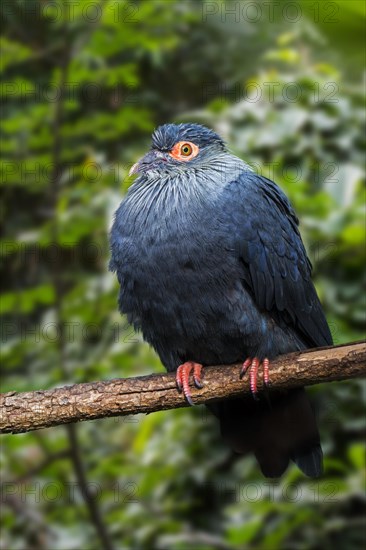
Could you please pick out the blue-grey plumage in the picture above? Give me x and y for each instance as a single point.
(211, 264)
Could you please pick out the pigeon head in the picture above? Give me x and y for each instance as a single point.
(180, 147)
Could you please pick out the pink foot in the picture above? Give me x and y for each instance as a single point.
(253, 366)
(182, 378)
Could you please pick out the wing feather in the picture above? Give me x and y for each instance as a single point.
(277, 270)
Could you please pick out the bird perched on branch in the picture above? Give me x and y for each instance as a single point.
(212, 270)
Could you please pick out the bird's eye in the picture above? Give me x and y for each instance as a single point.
(184, 150)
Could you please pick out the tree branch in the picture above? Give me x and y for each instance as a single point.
(23, 412)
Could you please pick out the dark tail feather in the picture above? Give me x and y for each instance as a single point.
(311, 462)
(276, 432)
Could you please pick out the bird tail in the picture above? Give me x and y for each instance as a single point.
(277, 431)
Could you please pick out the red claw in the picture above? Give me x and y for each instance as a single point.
(266, 371)
(182, 378)
(253, 365)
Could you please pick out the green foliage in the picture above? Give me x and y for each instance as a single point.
(166, 480)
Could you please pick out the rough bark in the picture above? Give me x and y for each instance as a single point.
(23, 412)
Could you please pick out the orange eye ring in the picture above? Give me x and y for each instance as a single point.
(184, 150)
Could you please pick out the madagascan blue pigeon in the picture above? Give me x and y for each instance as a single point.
(212, 270)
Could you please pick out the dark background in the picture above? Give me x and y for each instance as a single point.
(84, 84)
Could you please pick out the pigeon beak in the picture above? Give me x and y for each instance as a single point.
(134, 169)
(146, 163)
